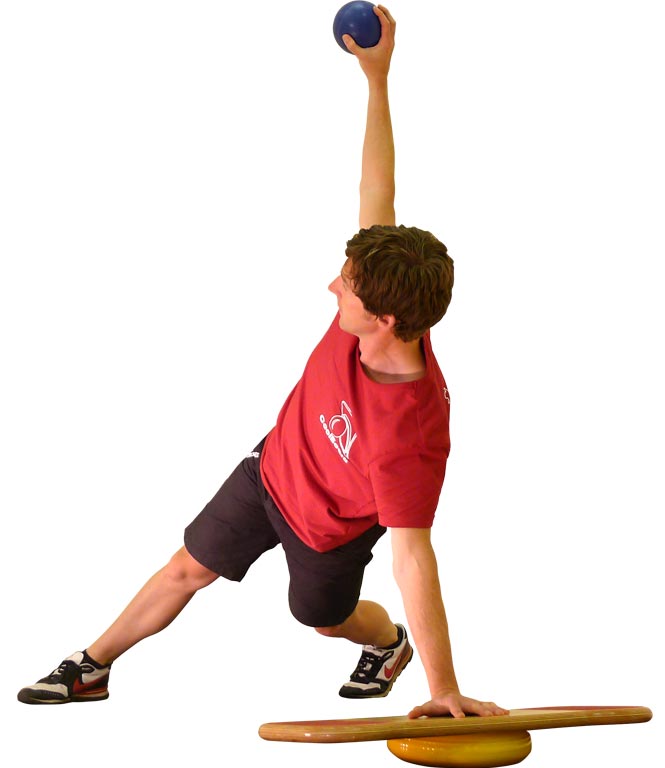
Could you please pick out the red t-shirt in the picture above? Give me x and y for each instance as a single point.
(348, 452)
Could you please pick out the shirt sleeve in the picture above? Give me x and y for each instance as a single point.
(407, 488)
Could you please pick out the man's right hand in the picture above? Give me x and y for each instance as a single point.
(375, 61)
(453, 703)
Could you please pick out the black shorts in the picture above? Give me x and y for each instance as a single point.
(241, 522)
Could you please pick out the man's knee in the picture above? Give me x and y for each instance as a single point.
(335, 631)
(188, 572)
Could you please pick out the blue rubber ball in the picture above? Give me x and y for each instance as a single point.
(358, 20)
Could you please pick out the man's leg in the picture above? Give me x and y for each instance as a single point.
(369, 624)
(154, 607)
(386, 650)
(228, 535)
(84, 675)
(325, 588)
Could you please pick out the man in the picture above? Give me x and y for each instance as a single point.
(359, 446)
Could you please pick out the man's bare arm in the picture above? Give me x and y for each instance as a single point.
(377, 183)
(416, 573)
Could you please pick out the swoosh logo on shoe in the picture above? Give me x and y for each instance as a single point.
(79, 687)
(390, 671)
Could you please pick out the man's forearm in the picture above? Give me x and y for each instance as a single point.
(421, 592)
(378, 160)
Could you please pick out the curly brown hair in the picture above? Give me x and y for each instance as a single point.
(401, 271)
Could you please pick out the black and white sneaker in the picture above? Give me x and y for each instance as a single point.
(78, 678)
(378, 669)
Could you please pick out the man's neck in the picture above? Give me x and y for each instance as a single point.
(392, 360)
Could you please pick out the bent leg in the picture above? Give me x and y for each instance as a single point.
(155, 606)
(369, 624)
(386, 650)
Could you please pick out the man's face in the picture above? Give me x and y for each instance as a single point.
(353, 317)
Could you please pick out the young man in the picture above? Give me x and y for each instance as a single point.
(359, 446)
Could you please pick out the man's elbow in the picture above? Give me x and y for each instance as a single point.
(410, 564)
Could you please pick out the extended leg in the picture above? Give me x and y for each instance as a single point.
(84, 675)
(155, 606)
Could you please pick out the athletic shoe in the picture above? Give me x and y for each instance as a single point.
(78, 678)
(378, 669)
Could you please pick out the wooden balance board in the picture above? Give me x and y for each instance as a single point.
(448, 742)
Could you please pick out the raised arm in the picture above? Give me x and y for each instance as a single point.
(377, 183)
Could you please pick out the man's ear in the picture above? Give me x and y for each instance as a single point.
(387, 322)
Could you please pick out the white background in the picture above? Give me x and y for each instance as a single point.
(177, 184)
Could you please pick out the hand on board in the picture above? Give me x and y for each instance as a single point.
(453, 703)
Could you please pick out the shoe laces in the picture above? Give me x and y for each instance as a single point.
(369, 665)
(66, 669)
(59, 672)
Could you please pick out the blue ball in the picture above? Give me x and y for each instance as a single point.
(358, 20)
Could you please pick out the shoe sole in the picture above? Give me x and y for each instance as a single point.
(382, 694)
(26, 698)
